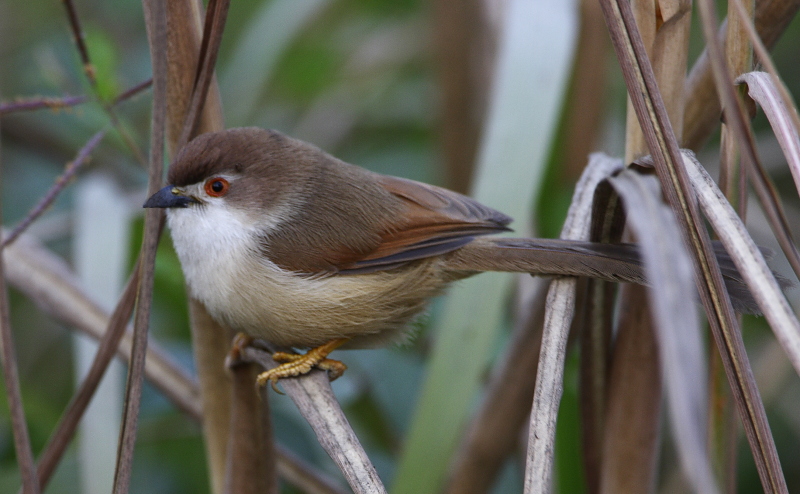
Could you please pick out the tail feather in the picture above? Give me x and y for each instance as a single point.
(609, 262)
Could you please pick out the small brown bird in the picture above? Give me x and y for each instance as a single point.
(284, 242)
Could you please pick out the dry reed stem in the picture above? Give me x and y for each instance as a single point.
(210, 341)
(493, 432)
(314, 398)
(633, 412)
(702, 108)
(676, 187)
(664, 27)
(8, 356)
(558, 317)
(251, 463)
(675, 326)
(156, 22)
(749, 261)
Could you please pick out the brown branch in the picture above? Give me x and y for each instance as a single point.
(31, 104)
(61, 182)
(131, 92)
(80, 42)
(22, 440)
(209, 48)
(155, 12)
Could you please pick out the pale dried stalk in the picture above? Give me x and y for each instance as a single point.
(664, 27)
(748, 259)
(493, 432)
(46, 279)
(762, 88)
(677, 189)
(210, 341)
(738, 53)
(314, 398)
(558, 317)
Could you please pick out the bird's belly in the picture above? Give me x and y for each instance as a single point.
(243, 290)
(296, 310)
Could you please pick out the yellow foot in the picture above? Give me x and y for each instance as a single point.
(293, 365)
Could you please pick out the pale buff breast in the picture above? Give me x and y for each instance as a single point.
(245, 291)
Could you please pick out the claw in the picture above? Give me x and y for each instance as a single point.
(293, 365)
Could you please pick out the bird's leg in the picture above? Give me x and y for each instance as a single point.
(294, 365)
(239, 343)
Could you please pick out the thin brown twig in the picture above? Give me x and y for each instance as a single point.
(31, 104)
(156, 14)
(216, 15)
(80, 41)
(131, 92)
(89, 70)
(61, 182)
(22, 440)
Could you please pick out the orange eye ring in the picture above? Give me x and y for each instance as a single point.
(217, 186)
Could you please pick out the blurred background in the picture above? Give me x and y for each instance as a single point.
(397, 86)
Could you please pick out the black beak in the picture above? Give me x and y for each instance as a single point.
(169, 197)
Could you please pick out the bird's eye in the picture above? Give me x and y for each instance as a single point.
(217, 187)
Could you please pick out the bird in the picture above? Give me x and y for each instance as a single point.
(281, 241)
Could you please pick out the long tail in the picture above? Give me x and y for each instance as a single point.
(610, 262)
(551, 257)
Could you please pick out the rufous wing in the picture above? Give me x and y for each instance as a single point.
(434, 221)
